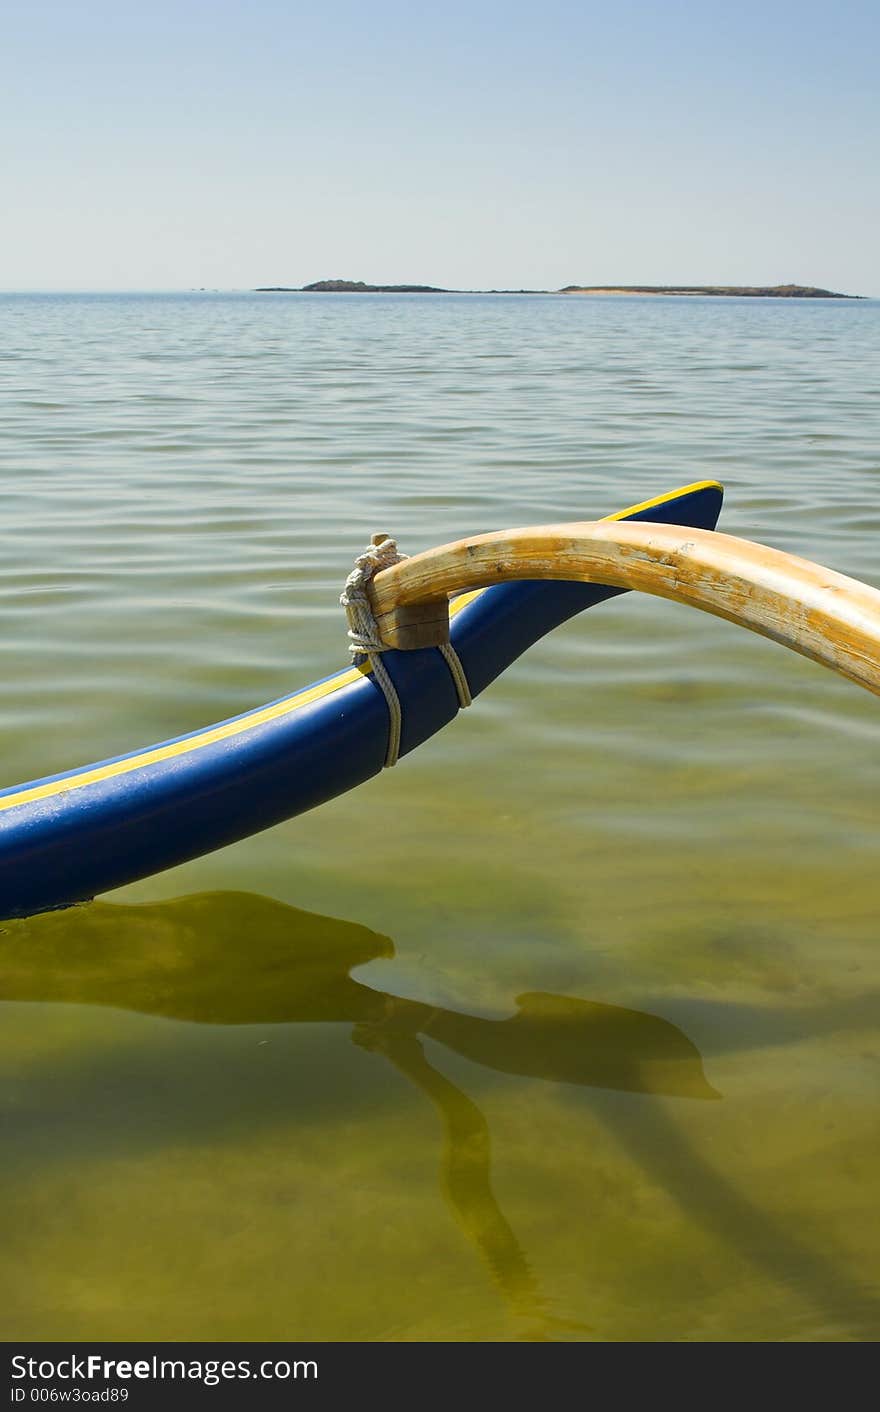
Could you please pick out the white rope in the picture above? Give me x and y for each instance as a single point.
(364, 639)
(363, 634)
(453, 662)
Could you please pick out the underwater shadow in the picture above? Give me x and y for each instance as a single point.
(240, 959)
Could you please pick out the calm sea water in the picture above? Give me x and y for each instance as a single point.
(567, 1028)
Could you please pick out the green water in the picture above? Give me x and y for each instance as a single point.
(567, 1028)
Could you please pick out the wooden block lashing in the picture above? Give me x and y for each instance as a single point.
(415, 624)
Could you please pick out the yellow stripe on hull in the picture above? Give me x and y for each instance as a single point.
(229, 729)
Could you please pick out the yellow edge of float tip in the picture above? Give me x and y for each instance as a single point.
(286, 707)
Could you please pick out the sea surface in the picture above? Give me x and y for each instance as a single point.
(568, 1028)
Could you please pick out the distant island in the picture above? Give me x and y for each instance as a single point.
(352, 286)
(750, 291)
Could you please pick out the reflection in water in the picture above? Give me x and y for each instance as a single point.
(231, 958)
(466, 1173)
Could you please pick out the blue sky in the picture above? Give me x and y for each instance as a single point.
(228, 145)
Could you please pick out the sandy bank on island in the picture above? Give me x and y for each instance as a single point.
(632, 293)
(735, 291)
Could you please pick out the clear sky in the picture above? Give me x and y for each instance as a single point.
(182, 143)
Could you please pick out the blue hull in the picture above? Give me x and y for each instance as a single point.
(68, 837)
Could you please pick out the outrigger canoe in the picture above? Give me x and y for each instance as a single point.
(66, 838)
(71, 836)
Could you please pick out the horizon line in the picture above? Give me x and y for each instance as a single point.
(301, 289)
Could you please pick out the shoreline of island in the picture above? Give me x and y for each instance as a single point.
(731, 291)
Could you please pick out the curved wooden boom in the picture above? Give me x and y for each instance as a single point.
(824, 615)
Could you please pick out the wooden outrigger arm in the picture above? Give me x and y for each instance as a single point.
(821, 614)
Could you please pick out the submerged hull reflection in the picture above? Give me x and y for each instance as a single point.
(238, 959)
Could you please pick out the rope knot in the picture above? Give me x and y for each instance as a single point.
(364, 639)
(363, 633)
